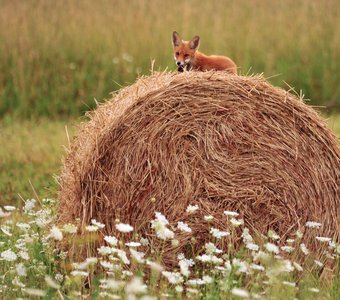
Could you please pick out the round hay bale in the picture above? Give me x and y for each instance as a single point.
(220, 141)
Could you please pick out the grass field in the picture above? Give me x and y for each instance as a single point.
(57, 56)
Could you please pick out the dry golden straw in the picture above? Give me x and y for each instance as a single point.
(221, 141)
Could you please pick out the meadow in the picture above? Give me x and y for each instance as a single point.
(57, 58)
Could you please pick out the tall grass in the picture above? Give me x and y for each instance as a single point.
(56, 57)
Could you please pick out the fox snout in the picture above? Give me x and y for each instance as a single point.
(180, 63)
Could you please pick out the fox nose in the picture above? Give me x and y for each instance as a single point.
(178, 63)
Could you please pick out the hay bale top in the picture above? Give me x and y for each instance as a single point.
(221, 141)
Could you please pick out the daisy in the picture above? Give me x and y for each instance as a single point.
(124, 227)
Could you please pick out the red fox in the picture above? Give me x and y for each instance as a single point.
(187, 57)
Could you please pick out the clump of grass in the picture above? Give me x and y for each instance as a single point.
(56, 57)
(32, 264)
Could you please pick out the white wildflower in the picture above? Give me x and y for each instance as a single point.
(318, 263)
(240, 292)
(70, 228)
(124, 227)
(273, 235)
(24, 255)
(290, 241)
(175, 243)
(208, 218)
(112, 240)
(51, 283)
(297, 266)
(55, 233)
(59, 277)
(247, 238)
(184, 268)
(236, 222)
(159, 225)
(123, 257)
(155, 266)
(323, 239)
(304, 249)
(138, 256)
(105, 250)
(257, 267)
(331, 245)
(299, 234)
(135, 286)
(272, 248)
(252, 246)
(286, 266)
(312, 224)
(91, 228)
(133, 244)
(196, 282)
(29, 205)
(4, 214)
(79, 273)
(111, 284)
(218, 234)
(261, 256)
(192, 291)
(5, 229)
(231, 213)
(208, 279)
(287, 249)
(98, 224)
(9, 255)
(35, 292)
(20, 269)
(227, 266)
(161, 218)
(183, 227)
(241, 266)
(106, 264)
(146, 297)
(144, 241)
(173, 277)
(23, 226)
(43, 218)
(314, 290)
(211, 248)
(9, 207)
(83, 265)
(179, 288)
(210, 258)
(162, 232)
(16, 281)
(288, 283)
(185, 264)
(192, 208)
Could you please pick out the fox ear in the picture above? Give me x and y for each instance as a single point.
(176, 39)
(194, 43)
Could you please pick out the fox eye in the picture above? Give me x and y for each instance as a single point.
(177, 53)
(186, 55)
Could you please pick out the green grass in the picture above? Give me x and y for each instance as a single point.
(57, 56)
(30, 155)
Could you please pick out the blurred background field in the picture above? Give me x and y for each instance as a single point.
(57, 57)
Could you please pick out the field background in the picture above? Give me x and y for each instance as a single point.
(57, 57)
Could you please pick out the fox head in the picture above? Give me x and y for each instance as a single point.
(184, 51)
